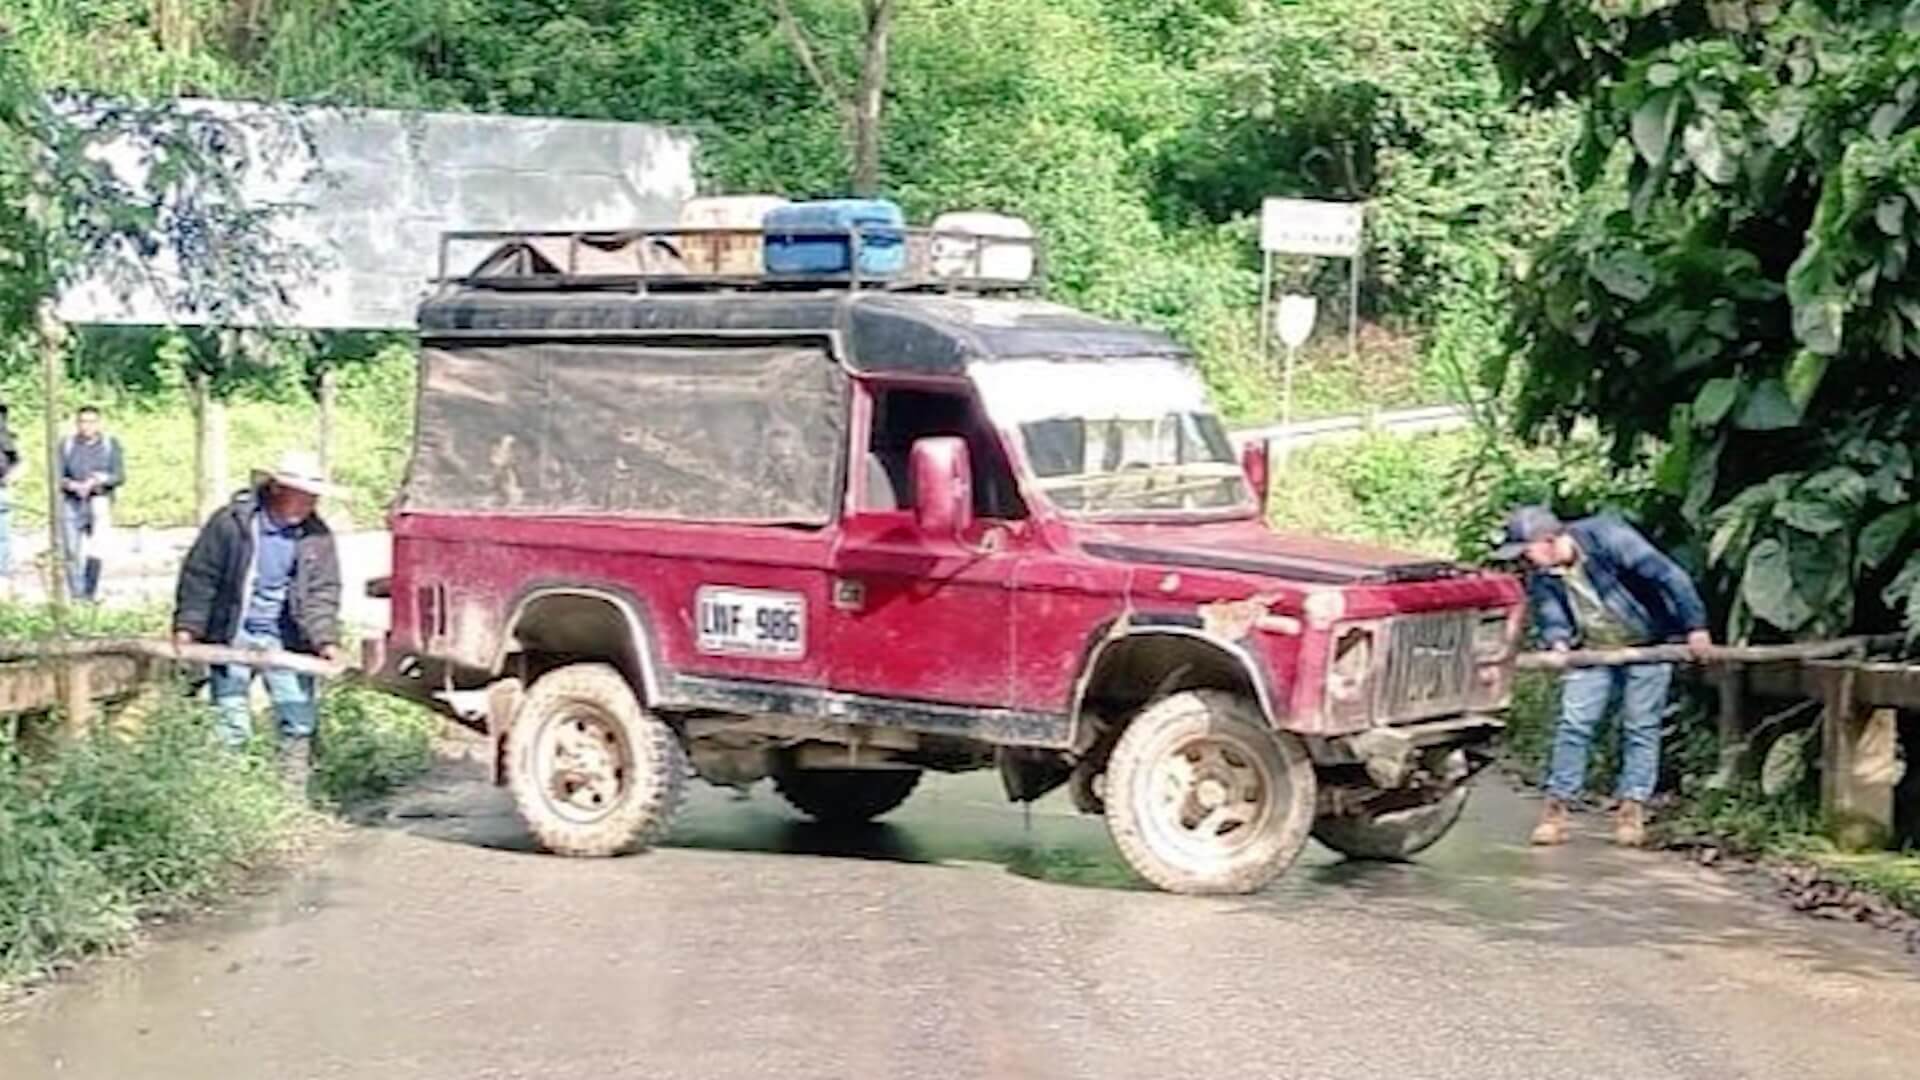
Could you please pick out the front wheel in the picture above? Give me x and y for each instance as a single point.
(1202, 796)
(1393, 834)
(591, 772)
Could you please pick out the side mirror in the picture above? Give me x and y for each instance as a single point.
(942, 475)
(1257, 464)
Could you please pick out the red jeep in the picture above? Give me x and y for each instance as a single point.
(838, 532)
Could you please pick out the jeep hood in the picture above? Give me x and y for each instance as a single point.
(1247, 547)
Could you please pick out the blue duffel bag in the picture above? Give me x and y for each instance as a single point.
(813, 237)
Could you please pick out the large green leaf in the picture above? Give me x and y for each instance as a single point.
(1709, 153)
(1818, 324)
(1810, 515)
(1803, 377)
(1786, 763)
(1767, 587)
(1882, 536)
(1715, 400)
(1767, 408)
(1625, 273)
(1653, 123)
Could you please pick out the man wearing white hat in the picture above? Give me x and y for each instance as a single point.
(264, 573)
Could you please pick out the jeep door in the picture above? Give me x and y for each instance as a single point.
(918, 617)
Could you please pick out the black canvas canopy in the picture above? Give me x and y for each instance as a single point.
(742, 433)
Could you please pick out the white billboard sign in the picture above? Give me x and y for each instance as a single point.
(1310, 227)
(372, 190)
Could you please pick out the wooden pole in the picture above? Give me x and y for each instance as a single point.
(1719, 654)
(159, 649)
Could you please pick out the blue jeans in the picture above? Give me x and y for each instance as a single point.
(83, 575)
(292, 695)
(1585, 694)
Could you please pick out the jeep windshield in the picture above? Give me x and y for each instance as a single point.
(1117, 438)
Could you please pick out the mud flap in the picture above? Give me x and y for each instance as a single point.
(503, 704)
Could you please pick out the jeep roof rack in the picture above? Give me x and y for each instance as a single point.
(693, 258)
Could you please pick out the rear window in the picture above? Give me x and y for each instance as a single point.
(747, 434)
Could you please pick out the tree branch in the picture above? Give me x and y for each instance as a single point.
(802, 48)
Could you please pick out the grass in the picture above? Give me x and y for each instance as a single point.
(116, 825)
(147, 816)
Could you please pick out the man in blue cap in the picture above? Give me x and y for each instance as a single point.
(1597, 583)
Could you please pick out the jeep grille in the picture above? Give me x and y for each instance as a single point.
(1429, 668)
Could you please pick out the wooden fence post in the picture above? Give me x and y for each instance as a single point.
(1857, 750)
(1730, 681)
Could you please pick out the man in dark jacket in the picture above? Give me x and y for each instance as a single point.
(1597, 583)
(264, 573)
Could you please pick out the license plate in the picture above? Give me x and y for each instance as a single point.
(751, 622)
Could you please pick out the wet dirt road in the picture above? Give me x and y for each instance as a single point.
(964, 941)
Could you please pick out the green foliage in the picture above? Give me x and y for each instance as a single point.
(1137, 135)
(66, 213)
(35, 622)
(370, 743)
(1734, 289)
(117, 824)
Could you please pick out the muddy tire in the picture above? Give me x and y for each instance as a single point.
(591, 772)
(1396, 834)
(845, 796)
(1202, 796)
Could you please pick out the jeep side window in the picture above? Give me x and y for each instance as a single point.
(902, 416)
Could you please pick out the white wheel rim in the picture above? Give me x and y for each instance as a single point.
(583, 763)
(1208, 799)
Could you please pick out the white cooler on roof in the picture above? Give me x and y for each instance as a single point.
(719, 253)
(976, 244)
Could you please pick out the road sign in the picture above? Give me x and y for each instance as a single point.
(1293, 319)
(1310, 227)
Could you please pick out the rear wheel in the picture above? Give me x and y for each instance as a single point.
(1393, 834)
(591, 772)
(845, 796)
(1202, 796)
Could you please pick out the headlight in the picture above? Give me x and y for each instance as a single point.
(1490, 637)
(1350, 672)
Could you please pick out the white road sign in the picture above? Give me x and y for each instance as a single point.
(1310, 227)
(1293, 319)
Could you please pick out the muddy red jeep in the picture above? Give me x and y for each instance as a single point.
(837, 533)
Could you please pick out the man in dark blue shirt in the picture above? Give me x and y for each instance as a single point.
(91, 470)
(1598, 583)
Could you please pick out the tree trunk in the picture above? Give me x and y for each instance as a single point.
(870, 98)
(52, 345)
(861, 113)
(329, 395)
(209, 442)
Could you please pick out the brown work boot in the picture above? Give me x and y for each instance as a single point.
(1552, 830)
(296, 765)
(1630, 824)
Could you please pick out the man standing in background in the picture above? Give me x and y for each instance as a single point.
(9, 464)
(91, 470)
